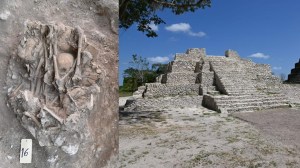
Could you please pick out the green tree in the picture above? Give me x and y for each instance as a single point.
(159, 68)
(143, 12)
(130, 80)
(137, 74)
(141, 66)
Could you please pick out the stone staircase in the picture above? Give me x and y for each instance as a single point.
(248, 103)
(238, 91)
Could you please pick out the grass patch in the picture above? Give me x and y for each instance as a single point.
(291, 163)
(188, 119)
(124, 94)
(232, 139)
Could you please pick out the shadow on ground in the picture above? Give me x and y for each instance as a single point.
(282, 124)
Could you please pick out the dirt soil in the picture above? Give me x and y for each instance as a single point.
(282, 124)
(190, 137)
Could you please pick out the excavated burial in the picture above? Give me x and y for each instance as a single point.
(54, 86)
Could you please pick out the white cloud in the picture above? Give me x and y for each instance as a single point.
(153, 26)
(158, 59)
(277, 68)
(179, 27)
(185, 28)
(199, 34)
(259, 55)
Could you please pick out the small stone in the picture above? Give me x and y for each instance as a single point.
(70, 149)
(14, 76)
(4, 15)
(224, 115)
(52, 159)
(98, 71)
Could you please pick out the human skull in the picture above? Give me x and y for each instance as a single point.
(65, 62)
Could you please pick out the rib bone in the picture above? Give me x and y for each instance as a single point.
(34, 119)
(58, 118)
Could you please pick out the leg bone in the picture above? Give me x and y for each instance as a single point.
(77, 75)
(58, 118)
(34, 119)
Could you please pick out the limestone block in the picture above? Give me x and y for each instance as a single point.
(181, 78)
(232, 54)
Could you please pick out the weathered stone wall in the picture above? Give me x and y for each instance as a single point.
(261, 75)
(180, 78)
(163, 90)
(194, 54)
(165, 103)
(232, 54)
(183, 66)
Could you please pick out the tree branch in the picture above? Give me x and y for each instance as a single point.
(172, 4)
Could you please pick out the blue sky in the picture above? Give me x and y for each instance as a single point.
(267, 30)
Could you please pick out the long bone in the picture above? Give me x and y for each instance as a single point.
(77, 75)
(58, 81)
(45, 92)
(13, 93)
(37, 79)
(58, 118)
(56, 70)
(34, 119)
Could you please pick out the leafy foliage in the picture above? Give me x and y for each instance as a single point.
(139, 73)
(143, 12)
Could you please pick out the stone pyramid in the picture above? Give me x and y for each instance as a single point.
(294, 76)
(222, 83)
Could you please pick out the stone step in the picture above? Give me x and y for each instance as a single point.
(213, 92)
(251, 103)
(269, 102)
(235, 75)
(232, 82)
(241, 93)
(251, 97)
(211, 87)
(265, 99)
(240, 89)
(237, 105)
(256, 108)
(237, 83)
